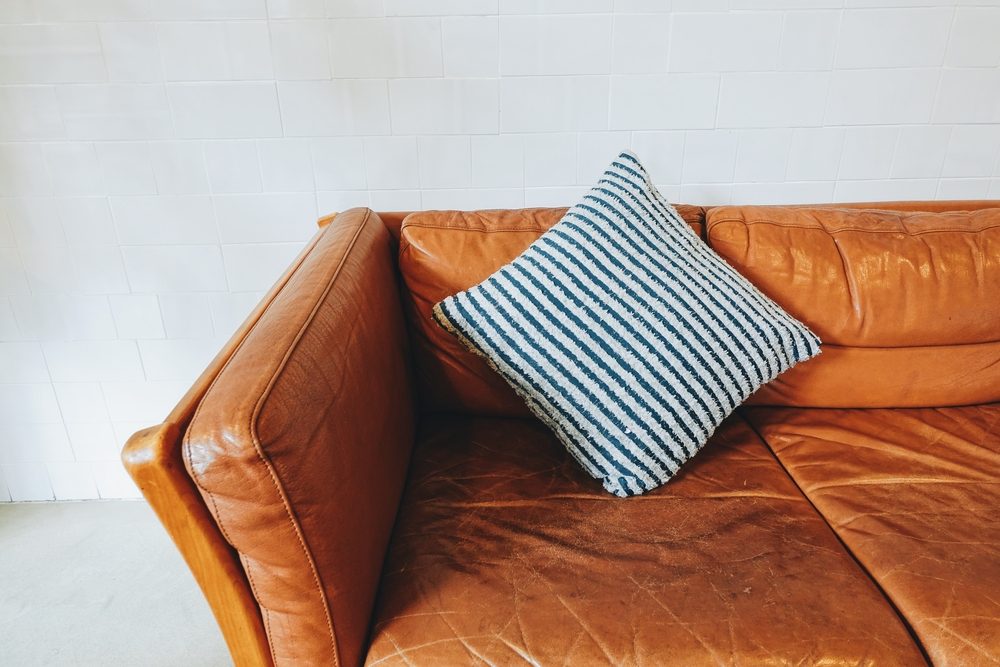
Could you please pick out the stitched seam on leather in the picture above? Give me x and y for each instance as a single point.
(774, 223)
(885, 596)
(263, 457)
(186, 449)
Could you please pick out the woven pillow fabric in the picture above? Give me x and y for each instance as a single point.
(626, 334)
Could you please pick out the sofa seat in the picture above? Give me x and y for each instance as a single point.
(915, 495)
(506, 552)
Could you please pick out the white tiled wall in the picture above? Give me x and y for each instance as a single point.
(162, 160)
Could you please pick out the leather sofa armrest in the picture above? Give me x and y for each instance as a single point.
(298, 444)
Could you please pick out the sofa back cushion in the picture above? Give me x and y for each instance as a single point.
(444, 252)
(907, 303)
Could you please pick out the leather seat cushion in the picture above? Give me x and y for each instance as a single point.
(505, 551)
(914, 494)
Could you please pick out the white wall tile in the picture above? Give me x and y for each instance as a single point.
(470, 46)
(868, 152)
(23, 171)
(28, 480)
(181, 360)
(286, 165)
(444, 162)
(439, 7)
(968, 96)
(30, 112)
(640, 43)
(187, 316)
(963, 188)
(497, 161)
(444, 106)
(98, 269)
(164, 219)
(799, 192)
(973, 41)
(34, 441)
(143, 402)
(863, 97)
(74, 169)
(23, 362)
(920, 151)
(355, 8)
(86, 220)
(472, 200)
(93, 10)
(290, 9)
(395, 200)
(550, 159)
(93, 441)
(874, 190)
(131, 51)
(738, 42)
(84, 361)
(300, 50)
(179, 167)
(528, 46)
(196, 51)
(338, 163)
(406, 47)
(52, 53)
(189, 10)
(571, 103)
(115, 111)
(72, 480)
(554, 196)
(815, 154)
(318, 108)
(391, 162)
(113, 481)
(127, 167)
(914, 37)
(595, 150)
(553, 6)
(662, 153)
(256, 266)
(335, 201)
(762, 155)
(772, 99)
(81, 402)
(13, 278)
(264, 218)
(225, 110)
(169, 268)
(809, 40)
(709, 156)
(972, 151)
(233, 166)
(136, 315)
(663, 101)
(230, 309)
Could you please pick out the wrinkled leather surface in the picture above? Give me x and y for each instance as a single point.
(506, 552)
(915, 495)
(444, 252)
(879, 281)
(300, 447)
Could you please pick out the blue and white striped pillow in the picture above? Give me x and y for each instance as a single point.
(627, 334)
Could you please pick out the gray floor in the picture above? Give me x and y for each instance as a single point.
(98, 583)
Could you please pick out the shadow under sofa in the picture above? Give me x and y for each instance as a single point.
(349, 485)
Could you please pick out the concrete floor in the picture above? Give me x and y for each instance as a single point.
(98, 583)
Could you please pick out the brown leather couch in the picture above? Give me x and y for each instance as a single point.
(350, 486)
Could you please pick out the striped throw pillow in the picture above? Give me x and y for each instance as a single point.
(626, 334)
